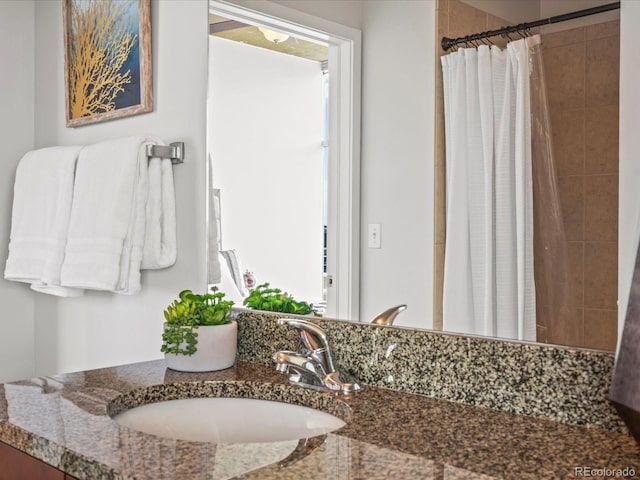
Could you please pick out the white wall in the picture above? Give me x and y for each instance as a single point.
(629, 174)
(345, 12)
(265, 131)
(397, 164)
(16, 138)
(102, 328)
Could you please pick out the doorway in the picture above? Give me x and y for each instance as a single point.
(338, 224)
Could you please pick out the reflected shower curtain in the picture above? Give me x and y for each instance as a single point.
(556, 314)
(488, 273)
(502, 195)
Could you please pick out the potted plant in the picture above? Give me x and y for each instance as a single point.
(263, 297)
(198, 336)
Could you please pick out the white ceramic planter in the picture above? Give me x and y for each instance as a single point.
(216, 350)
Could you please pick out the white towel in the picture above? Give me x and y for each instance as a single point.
(42, 200)
(232, 260)
(160, 236)
(107, 231)
(214, 228)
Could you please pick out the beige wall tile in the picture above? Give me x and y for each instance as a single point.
(600, 329)
(496, 23)
(442, 20)
(541, 331)
(602, 71)
(601, 135)
(603, 30)
(440, 202)
(564, 69)
(567, 127)
(601, 275)
(465, 20)
(601, 208)
(573, 331)
(572, 203)
(575, 251)
(566, 37)
(438, 286)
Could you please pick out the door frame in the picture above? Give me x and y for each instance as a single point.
(343, 232)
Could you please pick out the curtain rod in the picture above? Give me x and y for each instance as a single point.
(447, 43)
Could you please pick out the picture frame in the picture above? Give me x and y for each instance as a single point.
(107, 59)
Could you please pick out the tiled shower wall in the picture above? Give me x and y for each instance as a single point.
(582, 68)
(582, 71)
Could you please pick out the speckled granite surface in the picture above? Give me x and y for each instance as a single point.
(559, 383)
(64, 421)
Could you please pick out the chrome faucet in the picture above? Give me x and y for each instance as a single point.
(388, 316)
(313, 367)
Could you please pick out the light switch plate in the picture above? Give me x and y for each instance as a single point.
(374, 235)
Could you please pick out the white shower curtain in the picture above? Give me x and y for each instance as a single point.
(488, 273)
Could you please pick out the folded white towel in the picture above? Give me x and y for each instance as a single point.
(160, 245)
(214, 269)
(107, 231)
(42, 200)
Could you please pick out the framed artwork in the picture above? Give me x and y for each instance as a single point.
(107, 59)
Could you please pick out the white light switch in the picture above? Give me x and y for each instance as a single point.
(374, 235)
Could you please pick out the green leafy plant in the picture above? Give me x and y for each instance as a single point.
(263, 297)
(186, 314)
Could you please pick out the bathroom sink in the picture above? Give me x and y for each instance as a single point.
(228, 420)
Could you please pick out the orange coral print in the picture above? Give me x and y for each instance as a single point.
(104, 59)
(101, 45)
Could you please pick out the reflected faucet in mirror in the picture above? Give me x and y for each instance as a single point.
(388, 316)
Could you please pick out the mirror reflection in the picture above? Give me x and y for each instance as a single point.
(399, 207)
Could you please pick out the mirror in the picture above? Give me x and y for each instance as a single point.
(396, 175)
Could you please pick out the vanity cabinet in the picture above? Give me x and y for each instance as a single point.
(16, 465)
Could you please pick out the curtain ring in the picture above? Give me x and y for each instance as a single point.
(506, 34)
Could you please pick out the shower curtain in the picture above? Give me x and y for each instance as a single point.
(489, 271)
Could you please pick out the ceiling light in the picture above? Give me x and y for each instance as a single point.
(275, 37)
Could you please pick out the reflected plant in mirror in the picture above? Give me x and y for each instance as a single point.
(264, 297)
(407, 182)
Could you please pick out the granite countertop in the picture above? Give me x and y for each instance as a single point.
(64, 421)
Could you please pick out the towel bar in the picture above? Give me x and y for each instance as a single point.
(174, 151)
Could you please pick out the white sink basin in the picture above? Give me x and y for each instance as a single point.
(229, 420)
